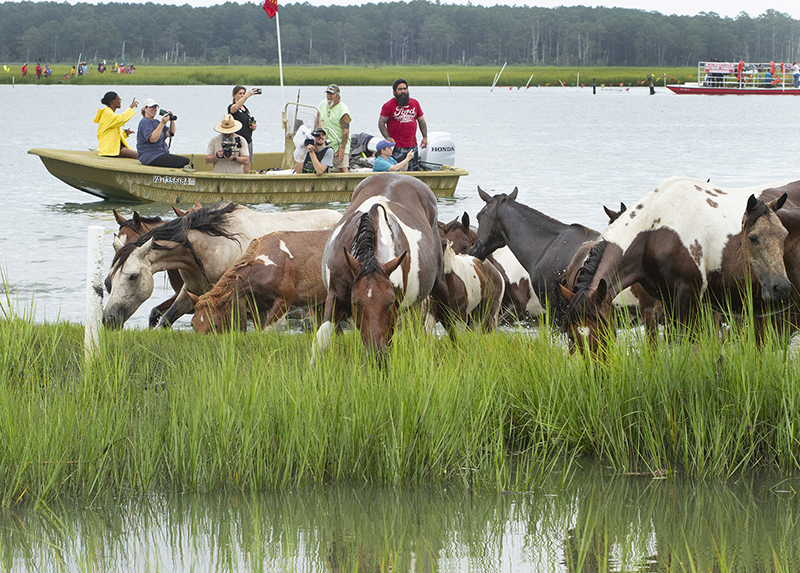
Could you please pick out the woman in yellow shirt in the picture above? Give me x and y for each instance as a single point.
(111, 137)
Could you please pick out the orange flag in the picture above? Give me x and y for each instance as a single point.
(271, 7)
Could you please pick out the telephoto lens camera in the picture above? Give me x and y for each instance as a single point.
(308, 141)
(165, 112)
(256, 91)
(230, 145)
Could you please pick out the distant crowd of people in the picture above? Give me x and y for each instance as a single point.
(326, 150)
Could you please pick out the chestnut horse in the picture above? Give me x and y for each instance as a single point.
(385, 255)
(684, 241)
(276, 272)
(202, 246)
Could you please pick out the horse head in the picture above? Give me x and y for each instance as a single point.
(586, 318)
(129, 282)
(762, 246)
(458, 233)
(218, 311)
(491, 233)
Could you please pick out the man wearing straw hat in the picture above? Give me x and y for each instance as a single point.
(225, 150)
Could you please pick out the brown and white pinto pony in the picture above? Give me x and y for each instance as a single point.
(276, 272)
(475, 289)
(686, 241)
(519, 301)
(384, 256)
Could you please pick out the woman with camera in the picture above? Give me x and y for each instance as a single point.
(151, 141)
(111, 138)
(241, 114)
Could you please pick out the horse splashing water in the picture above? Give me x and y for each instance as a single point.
(202, 246)
(684, 241)
(276, 272)
(384, 256)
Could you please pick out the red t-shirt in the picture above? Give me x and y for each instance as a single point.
(402, 124)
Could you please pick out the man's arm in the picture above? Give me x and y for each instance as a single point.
(345, 123)
(318, 167)
(382, 122)
(423, 129)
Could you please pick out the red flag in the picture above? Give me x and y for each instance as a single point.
(271, 7)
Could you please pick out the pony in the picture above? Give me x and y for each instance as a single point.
(130, 230)
(384, 256)
(475, 289)
(543, 246)
(276, 272)
(202, 246)
(684, 241)
(519, 301)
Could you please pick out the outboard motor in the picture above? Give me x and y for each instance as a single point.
(440, 151)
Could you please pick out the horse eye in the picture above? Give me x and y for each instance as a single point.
(753, 239)
(134, 277)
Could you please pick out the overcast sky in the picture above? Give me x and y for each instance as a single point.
(730, 8)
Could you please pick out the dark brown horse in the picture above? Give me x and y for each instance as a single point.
(385, 255)
(542, 245)
(685, 241)
(276, 272)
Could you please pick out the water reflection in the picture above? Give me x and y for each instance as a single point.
(592, 522)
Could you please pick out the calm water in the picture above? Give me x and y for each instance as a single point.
(570, 153)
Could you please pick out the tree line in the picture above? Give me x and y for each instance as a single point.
(394, 33)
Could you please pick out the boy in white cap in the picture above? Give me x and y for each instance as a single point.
(225, 150)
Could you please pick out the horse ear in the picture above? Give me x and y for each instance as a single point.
(751, 203)
(137, 220)
(610, 214)
(465, 220)
(513, 195)
(622, 208)
(120, 219)
(192, 297)
(483, 195)
(352, 262)
(566, 294)
(392, 265)
(178, 212)
(776, 204)
(146, 248)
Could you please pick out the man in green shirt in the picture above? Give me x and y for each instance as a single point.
(334, 116)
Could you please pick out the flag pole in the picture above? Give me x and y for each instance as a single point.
(280, 57)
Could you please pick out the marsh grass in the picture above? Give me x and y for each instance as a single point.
(513, 76)
(178, 411)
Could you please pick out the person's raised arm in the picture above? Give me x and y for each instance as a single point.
(236, 106)
(403, 165)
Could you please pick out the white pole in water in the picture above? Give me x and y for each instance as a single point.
(578, 81)
(448, 80)
(94, 291)
(497, 77)
(529, 81)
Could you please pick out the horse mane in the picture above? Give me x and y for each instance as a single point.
(363, 246)
(224, 288)
(209, 220)
(752, 216)
(135, 225)
(580, 307)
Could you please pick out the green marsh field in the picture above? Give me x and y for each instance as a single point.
(512, 76)
(177, 411)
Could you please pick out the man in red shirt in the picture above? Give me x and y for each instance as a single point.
(398, 123)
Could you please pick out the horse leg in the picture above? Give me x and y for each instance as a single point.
(158, 311)
(277, 310)
(182, 305)
(328, 326)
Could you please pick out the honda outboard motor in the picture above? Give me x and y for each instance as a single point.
(440, 151)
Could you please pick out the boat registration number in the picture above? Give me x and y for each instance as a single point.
(173, 180)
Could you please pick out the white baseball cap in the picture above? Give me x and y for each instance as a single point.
(150, 102)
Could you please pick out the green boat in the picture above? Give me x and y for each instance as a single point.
(120, 179)
(269, 181)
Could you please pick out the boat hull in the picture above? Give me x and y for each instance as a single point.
(710, 90)
(121, 179)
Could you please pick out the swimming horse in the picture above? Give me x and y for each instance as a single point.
(202, 246)
(542, 245)
(384, 256)
(682, 241)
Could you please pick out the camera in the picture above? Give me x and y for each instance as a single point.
(165, 112)
(230, 145)
(308, 141)
(256, 91)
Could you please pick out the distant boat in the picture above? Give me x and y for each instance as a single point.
(740, 78)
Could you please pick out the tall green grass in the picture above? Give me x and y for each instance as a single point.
(175, 410)
(514, 76)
